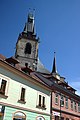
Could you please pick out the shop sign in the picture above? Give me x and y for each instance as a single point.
(56, 113)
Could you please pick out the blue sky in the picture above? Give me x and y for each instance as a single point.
(57, 24)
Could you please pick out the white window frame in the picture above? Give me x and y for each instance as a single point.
(2, 77)
(42, 95)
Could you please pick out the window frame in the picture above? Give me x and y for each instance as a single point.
(62, 101)
(56, 98)
(22, 95)
(66, 102)
(3, 87)
(75, 106)
(78, 107)
(41, 101)
(2, 77)
(72, 104)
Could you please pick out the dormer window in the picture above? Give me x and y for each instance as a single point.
(28, 48)
(13, 61)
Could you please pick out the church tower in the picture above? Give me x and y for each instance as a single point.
(27, 45)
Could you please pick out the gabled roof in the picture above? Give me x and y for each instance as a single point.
(43, 79)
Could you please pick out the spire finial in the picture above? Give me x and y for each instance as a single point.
(54, 69)
(32, 11)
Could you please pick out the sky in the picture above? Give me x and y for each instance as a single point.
(57, 24)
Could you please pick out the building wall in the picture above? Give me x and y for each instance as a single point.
(9, 114)
(13, 91)
(65, 112)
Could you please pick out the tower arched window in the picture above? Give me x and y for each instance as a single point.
(28, 48)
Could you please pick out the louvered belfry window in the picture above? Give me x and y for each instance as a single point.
(28, 48)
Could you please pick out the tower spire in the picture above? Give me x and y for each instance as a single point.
(54, 69)
(29, 25)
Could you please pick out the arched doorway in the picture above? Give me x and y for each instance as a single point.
(19, 116)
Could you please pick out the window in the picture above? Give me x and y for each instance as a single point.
(3, 86)
(67, 118)
(28, 48)
(56, 98)
(62, 101)
(66, 102)
(19, 116)
(72, 104)
(22, 98)
(78, 107)
(41, 102)
(75, 108)
(40, 118)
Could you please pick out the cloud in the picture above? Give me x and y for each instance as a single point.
(76, 85)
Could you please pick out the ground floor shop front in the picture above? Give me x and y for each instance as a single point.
(56, 115)
(10, 113)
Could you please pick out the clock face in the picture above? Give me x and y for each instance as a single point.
(40, 118)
